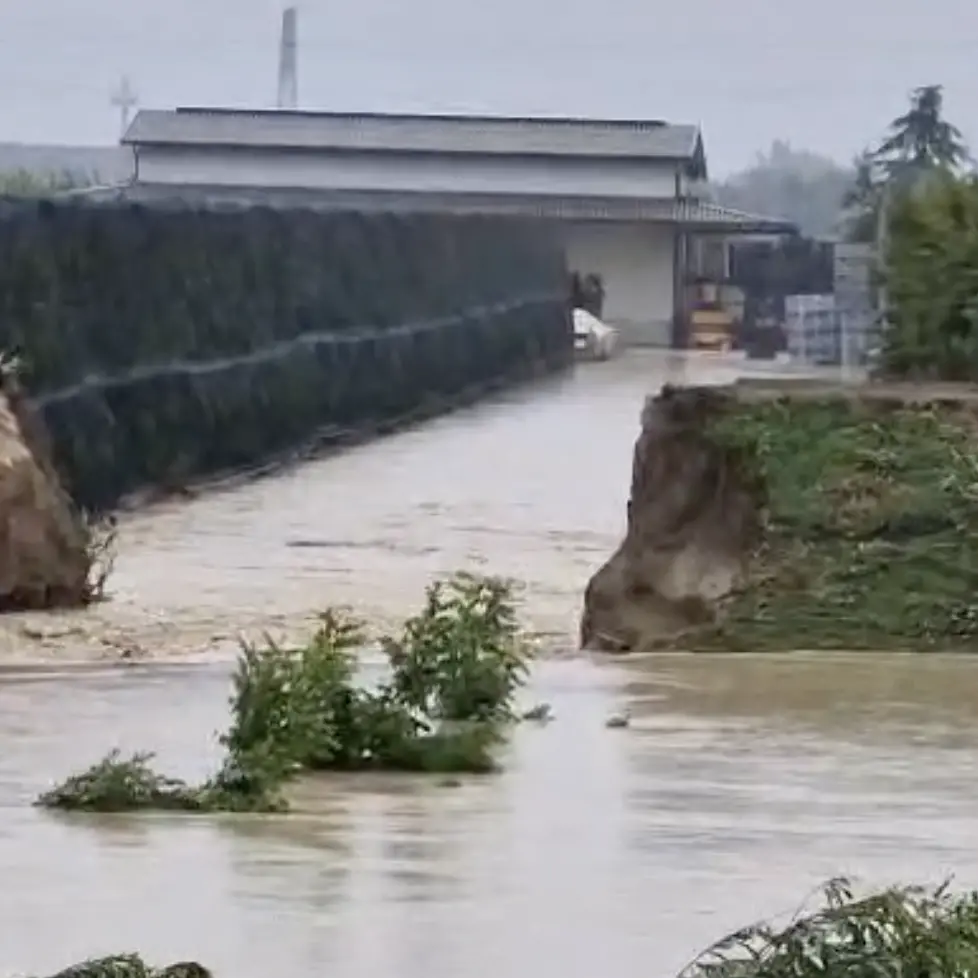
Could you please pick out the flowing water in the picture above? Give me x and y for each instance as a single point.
(741, 783)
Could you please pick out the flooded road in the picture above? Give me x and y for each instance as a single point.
(532, 485)
(741, 783)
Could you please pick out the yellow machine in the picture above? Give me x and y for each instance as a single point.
(711, 328)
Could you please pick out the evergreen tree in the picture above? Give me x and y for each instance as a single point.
(921, 139)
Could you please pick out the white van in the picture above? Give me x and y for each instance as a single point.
(593, 339)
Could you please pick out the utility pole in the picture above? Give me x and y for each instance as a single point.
(125, 100)
(882, 240)
(288, 61)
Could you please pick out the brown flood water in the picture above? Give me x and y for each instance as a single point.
(741, 783)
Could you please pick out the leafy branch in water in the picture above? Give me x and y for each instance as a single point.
(902, 931)
(131, 966)
(118, 784)
(453, 676)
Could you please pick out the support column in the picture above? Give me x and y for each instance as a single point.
(680, 264)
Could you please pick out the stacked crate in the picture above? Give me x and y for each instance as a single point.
(812, 328)
(855, 300)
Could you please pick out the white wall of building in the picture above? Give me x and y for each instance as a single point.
(405, 172)
(636, 263)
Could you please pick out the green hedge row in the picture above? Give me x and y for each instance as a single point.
(167, 344)
(931, 275)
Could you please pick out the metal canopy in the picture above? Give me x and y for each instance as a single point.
(701, 217)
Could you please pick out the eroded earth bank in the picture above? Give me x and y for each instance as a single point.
(786, 515)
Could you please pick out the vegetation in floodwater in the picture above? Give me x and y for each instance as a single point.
(101, 537)
(541, 713)
(454, 672)
(131, 966)
(871, 537)
(120, 784)
(898, 931)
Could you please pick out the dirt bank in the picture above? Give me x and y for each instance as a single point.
(780, 515)
(45, 553)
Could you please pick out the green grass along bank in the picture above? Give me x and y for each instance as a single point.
(869, 503)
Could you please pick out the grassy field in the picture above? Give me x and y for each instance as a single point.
(871, 537)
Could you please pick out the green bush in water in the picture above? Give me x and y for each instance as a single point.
(454, 674)
(897, 933)
(131, 966)
(900, 932)
(118, 784)
(460, 659)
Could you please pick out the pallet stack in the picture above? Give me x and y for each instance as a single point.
(853, 267)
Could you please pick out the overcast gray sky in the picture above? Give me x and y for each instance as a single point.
(825, 75)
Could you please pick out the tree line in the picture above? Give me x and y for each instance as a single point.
(917, 147)
(829, 200)
(914, 195)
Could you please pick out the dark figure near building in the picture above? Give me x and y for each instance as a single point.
(587, 294)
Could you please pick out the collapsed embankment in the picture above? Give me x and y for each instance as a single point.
(48, 550)
(165, 344)
(797, 516)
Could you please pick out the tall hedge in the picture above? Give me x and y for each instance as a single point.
(931, 274)
(163, 344)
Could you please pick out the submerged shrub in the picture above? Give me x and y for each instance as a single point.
(898, 932)
(119, 784)
(131, 966)
(454, 673)
(461, 658)
(101, 537)
(294, 705)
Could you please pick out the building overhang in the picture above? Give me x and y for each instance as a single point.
(695, 216)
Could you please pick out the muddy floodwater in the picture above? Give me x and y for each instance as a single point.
(532, 485)
(741, 783)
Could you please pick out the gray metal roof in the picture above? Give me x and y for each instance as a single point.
(694, 215)
(275, 129)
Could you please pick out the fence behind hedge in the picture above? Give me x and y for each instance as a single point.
(167, 344)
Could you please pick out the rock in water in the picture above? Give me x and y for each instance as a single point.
(694, 517)
(44, 559)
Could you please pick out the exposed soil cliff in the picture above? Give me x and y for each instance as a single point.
(44, 542)
(693, 518)
(796, 516)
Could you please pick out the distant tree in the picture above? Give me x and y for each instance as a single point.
(921, 139)
(929, 269)
(918, 145)
(861, 202)
(26, 183)
(795, 184)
